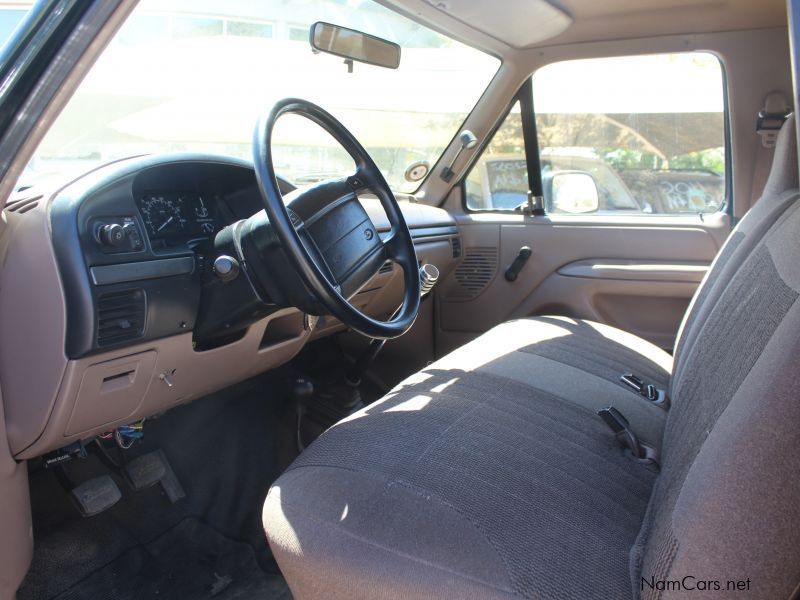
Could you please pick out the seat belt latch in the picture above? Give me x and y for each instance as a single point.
(648, 390)
(622, 431)
(626, 437)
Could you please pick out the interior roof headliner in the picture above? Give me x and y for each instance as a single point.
(617, 19)
(596, 20)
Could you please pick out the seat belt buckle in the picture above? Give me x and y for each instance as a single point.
(626, 437)
(648, 390)
(614, 419)
(621, 429)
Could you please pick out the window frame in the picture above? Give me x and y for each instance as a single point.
(476, 157)
(524, 96)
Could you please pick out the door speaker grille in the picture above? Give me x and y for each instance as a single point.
(475, 272)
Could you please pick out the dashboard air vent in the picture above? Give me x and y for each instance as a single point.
(456, 245)
(386, 267)
(120, 317)
(23, 205)
(475, 272)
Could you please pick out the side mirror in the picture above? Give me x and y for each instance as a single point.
(354, 45)
(574, 192)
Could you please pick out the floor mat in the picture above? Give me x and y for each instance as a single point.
(189, 561)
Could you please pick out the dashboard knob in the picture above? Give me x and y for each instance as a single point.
(226, 267)
(112, 235)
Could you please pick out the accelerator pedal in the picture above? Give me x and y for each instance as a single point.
(96, 495)
(149, 469)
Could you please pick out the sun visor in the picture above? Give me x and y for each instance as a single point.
(518, 23)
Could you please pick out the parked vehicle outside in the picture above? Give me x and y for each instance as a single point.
(501, 182)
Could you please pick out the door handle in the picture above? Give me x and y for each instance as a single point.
(512, 272)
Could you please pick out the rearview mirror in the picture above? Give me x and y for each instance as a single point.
(354, 45)
(574, 192)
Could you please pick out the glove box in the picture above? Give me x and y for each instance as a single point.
(111, 391)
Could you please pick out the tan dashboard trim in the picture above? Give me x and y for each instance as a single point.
(177, 374)
(51, 401)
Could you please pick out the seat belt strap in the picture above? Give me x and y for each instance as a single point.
(626, 437)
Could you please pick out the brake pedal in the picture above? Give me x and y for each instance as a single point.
(145, 471)
(96, 495)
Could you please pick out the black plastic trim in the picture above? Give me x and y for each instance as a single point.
(31, 49)
(152, 269)
(67, 224)
(531, 138)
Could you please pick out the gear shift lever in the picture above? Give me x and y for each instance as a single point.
(428, 276)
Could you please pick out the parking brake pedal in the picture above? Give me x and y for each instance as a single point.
(96, 495)
(152, 468)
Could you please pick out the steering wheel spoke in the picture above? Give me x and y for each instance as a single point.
(393, 247)
(316, 254)
(359, 181)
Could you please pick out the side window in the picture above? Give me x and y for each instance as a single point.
(626, 135)
(499, 180)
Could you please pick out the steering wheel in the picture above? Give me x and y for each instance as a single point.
(326, 233)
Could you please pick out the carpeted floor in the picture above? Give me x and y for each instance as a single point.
(191, 560)
(225, 449)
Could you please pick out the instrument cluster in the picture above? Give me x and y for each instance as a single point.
(178, 216)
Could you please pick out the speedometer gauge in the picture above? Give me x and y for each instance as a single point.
(163, 216)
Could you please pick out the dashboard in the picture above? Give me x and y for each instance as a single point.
(109, 279)
(144, 230)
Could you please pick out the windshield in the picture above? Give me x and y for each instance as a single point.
(194, 75)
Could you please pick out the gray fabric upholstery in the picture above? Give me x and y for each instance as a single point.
(453, 469)
(738, 419)
(490, 475)
(574, 359)
(779, 194)
(600, 350)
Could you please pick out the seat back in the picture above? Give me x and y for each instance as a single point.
(726, 506)
(778, 195)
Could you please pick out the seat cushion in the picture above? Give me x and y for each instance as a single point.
(577, 360)
(476, 478)
(601, 350)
